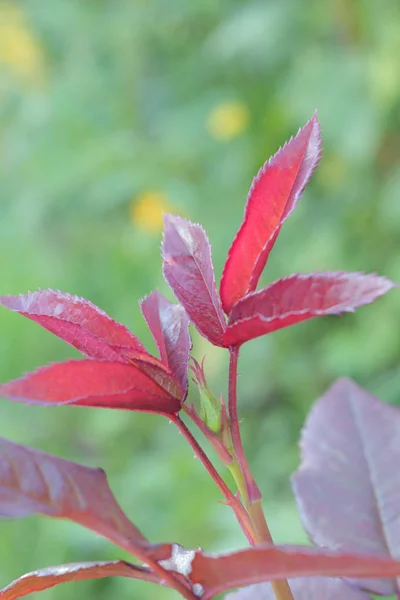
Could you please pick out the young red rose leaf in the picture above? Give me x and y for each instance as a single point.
(310, 588)
(75, 320)
(169, 325)
(49, 577)
(91, 383)
(218, 574)
(188, 269)
(272, 198)
(299, 297)
(33, 482)
(350, 449)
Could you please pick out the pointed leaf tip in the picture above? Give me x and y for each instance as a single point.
(76, 321)
(299, 297)
(273, 196)
(188, 269)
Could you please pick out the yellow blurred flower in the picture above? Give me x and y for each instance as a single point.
(147, 208)
(228, 120)
(20, 51)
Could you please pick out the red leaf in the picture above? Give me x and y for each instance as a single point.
(43, 579)
(300, 297)
(189, 271)
(217, 574)
(91, 383)
(33, 482)
(75, 320)
(311, 588)
(350, 460)
(157, 371)
(272, 198)
(169, 325)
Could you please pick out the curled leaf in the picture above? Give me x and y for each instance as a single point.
(169, 325)
(188, 269)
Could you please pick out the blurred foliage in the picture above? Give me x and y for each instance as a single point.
(112, 111)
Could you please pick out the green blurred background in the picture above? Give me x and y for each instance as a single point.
(112, 111)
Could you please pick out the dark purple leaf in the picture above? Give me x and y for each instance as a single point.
(218, 574)
(300, 297)
(52, 576)
(272, 198)
(75, 320)
(310, 588)
(91, 383)
(33, 482)
(169, 325)
(348, 488)
(189, 271)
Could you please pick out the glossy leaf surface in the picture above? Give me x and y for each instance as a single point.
(218, 574)
(91, 383)
(169, 325)
(273, 196)
(300, 297)
(75, 320)
(348, 486)
(33, 482)
(310, 588)
(52, 576)
(189, 271)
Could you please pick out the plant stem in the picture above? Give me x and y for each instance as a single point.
(234, 502)
(168, 576)
(240, 469)
(253, 491)
(214, 440)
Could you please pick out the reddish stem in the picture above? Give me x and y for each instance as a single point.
(253, 490)
(167, 576)
(260, 527)
(234, 502)
(212, 437)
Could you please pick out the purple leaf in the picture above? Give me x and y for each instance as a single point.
(33, 482)
(91, 383)
(49, 577)
(347, 488)
(310, 588)
(218, 574)
(75, 320)
(169, 325)
(189, 271)
(297, 298)
(272, 198)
